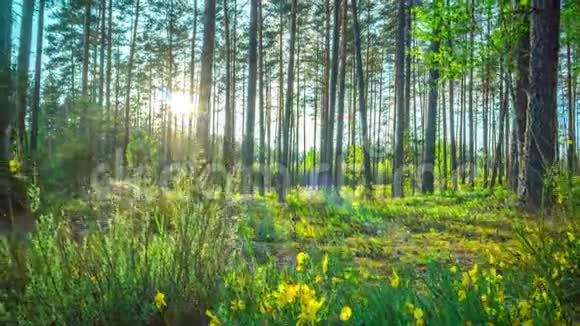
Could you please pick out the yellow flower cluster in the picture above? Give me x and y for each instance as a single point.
(301, 259)
(160, 300)
(417, 313)
(345, 313)
(293, 293)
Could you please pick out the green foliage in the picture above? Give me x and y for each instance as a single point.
(109, 270)
(142, 152)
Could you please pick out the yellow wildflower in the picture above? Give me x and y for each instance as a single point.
(473, 274)
(345, 313)
(308, 311)
(418, 314)
(14, 166)
(453, 269)
(160, 300)
(238, 305)
(301, 258)
(395, 279)
(213, 320)
(325, 264)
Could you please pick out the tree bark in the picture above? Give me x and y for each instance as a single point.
(22, 74)
(6, 111)
(262, 157)
(128, 89)
(541, 124)
(37, 75)
(228, 141)
(400, 134)
(283, 166)
(362, 101)
(341, 93)
(206, 79)
(248, 146)
(429, 139)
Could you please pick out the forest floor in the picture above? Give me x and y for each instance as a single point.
(170, 257)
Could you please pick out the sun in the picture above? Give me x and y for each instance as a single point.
(180, 103)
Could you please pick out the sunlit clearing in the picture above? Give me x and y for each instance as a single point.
(180, 103)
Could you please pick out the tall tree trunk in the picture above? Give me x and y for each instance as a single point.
(37, 75)
(362, 101)
(262, 157)
(102, 53)
(452, 135)
(332, 100)
(522, 85)
(108, 81)
(429, 139)
(400, 134)
(283, 167)
(6, 112)
(248, 146)
(325, 97)
(192, 72)
(22, 74)
(341, 93)
(571, 114)
(541, 125)
(228, 145)
(498, 147)
(85, 70)
(206, 78)
(128, 89)
(472, 159)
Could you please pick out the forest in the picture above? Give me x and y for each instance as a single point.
(281, 162)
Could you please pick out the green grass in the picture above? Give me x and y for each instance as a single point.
(443, 259)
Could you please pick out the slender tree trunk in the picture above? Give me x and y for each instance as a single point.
(85, 71)
(206, 78)
(262, 152)
(362, 101)
(541, 126)
(248, 146)
(6, 112)
(341, 93)
(228, 145)
(332, 100)
(283, 166)
(22, 74)
(325, 105)
(452, 135)
(429, 147)
(498, 147)
(108, 81)
(472, 159)
(571, 115)
(102, 53)
(37, 71)
(192, 72)
(128, 89)
(400, 134)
